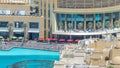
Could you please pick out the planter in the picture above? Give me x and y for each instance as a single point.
(99, 25)
(80, 25)
(90, 25)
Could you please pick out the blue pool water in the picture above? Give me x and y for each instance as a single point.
(15, 55)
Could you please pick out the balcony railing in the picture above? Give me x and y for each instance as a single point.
(18, 30)
(4, 29)
(33, 30)
(19, 15)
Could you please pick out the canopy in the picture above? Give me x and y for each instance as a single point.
(20, 38)
(69, 40)
(1, 37)
(40, 39)
(77, 40)
(14, 37)
(61, 40)
(54, 39)
(48, 39)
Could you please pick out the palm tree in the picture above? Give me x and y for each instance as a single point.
(25, 30)
(10, 25)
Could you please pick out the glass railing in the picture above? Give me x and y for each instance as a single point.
(82, 31)
(4, 28)
(20, 15)
(18, 28)
(33, 28)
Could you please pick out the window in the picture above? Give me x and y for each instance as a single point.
(18, 24)
(4, 12)
(3, 24)
(34, 10)
(34, 25)
(20, 12)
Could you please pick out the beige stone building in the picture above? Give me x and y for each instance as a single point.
(75, 19)
(29, 18)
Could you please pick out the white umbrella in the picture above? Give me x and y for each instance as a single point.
(14, 37)
(20, 38)
(1, 37)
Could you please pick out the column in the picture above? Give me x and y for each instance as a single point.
(85, 22)
(51, 16)
(119, 19)
(103, 21)
(94, 22)
(55, 22)
(47, 29)
(112, 26)
(75, 22)
(65, 22)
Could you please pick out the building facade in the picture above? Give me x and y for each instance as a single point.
(58, 18)
(86, 17)
(25, 18)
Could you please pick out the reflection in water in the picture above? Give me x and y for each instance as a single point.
(33, 64)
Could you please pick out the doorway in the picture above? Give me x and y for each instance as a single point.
(33, 36)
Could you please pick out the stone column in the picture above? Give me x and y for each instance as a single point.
(111, 20)
(85, 22)
(65, 22)
(94, 22)
(103, 24)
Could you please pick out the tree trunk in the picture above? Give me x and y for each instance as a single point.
(10, 31)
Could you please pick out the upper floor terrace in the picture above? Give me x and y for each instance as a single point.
(16, 8)
(86, 3)
(15, 1)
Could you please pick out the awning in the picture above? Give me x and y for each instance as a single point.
(77, 40)
(61, 40)
(14, 37)
(48, 39)
(1, 37)
(54, 39)
(41, 39)
(69, 40)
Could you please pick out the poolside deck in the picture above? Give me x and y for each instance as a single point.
(31, 44)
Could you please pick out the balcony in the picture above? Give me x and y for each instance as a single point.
(18, 30)
(82, 32)
(4, 29)
(33, 30)
(33, 11)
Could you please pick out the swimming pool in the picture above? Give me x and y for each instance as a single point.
(16, 55)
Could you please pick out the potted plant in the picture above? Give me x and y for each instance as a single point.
(116, 24)
(110, 67)
(69, 25)
(108, 24)
(90, 25)
(80, 25)
(99, 25)
(61, 26)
